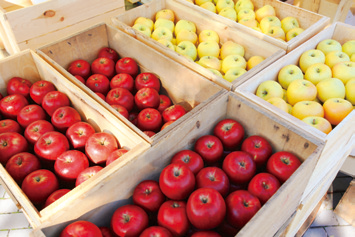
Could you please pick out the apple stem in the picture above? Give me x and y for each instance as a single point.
(126, 218)
(147, 191)
(19, 161)
(37, 179)
(285, 160)
(265, 185)
(175, 205)
(186, 159)
(245, 203)
(204, 200)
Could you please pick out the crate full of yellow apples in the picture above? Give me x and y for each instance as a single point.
(279, 23)
(191, 37)
(314, 87)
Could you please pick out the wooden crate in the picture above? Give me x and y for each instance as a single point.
(88, 195)
(182, 85)
(310, 21)
(339, 142)
(256, 121)
(25, 25)
(184, 10)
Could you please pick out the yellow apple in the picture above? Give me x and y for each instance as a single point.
(208, 35)
(335, 57)
(216, 72)
(229, 13)
(330, 88)
(336, 109)
(167, 43)
(293, 33)
(264, 11)
(349, 47)
(243, 4)
(184, 24)
(329, 45)
(352, 58)
(184, 35)
(303, 109)
(284, 97)
(166, 14)
(246, 13)
(289, 108)
(319, 123)
(276, 32)
(249, 23)
(210, 62)
(310, 57)
(257, 28)
(187, 49)
(289, 23)
(317, 72)
(208, 48)
(209, 6)
(269, 89)
(279, 103)
(344, 71)
(223, 4)
(269, 21)
(350, 91)
(300, 90)
(162, 33)
(230, 48)
(231, 61)
(254, 60)
(161, 22)
(200, 2)
(145, 21)
(289, 73)
(233, 73)
(143, 29)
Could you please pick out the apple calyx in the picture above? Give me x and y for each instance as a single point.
(245, 203)
(227, 127)
(210, 145)
(212, 177)
(177, 172)
(242, 164)
(265, 185)
(204, 199)
(147, 191)
(48, 141)
(186, 159)
(4, 143)
(19, 161)
(78, 65)
(175, 205)
(126, 218)
(285, 161)
(37, 178)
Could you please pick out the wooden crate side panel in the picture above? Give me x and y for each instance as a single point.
(36, 20)
(14, 4)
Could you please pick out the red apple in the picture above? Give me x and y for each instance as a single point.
(64, 117)
(115, 155)
(39, 89)
(9, 125)
(38, 185)
(11, 143)
(230, 132)
(122, 110)
(127, 65)
(165, 102)
(18, 85)
(259, 148)
(98, 83)
(29, 114)
(122, 80)
(165, 125)
(70, 164)
(87, 174)
(213, 177)
(80, 78)
(55, 196)
(263, 186)
(107, 52)
(133, 118)
(11, 105)
(102, 96)
(80, 67)
(239, 167)
(147, 98)
(173, 113)
(190, 158)
(149, 120)
(129, 220)
(147, 80)
(99, 146)
(78, 134)
(148, 195)
(103, 66)
(54, 100)
(149, 133)
(120, 96)
(210, 148)
(207, 233)
(36, 129)
(156, 231)
(283, 164)
(81, 228)
(21, 164)
(51, 145)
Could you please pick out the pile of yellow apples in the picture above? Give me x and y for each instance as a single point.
(225, 60)
(320, 90)
(263, 19)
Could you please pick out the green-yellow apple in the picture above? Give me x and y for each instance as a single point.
(243, 4)
(309, 57)
(329, 45)
(208, 35)
(200, 2)
(246, 13)
(330, 88)
(162, 33)
(231, 61)
(145, 21)
(276, 32)
(166, 14)
(187, 49)
(264, 11)
(350, 91)
(317, 72)
(216, 72)
(223, 4)
(233, 73)
(209, 6)
(254, 60)
(352, 58)
(230, 47)
(293, 33)
(335, 57)
(319, 123)
(344, 71)
(167, 43)
(249, 23)
(184, 35)
(161, 22)
(210, 62)
(349, 47)
(208, 48)
(289, 73)
(269, 21)
(143, 29)
(279, 103)
(269, 89)
(289, 23)
(229, 13)
(304, 109)
(300, 90)
(184, 24)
